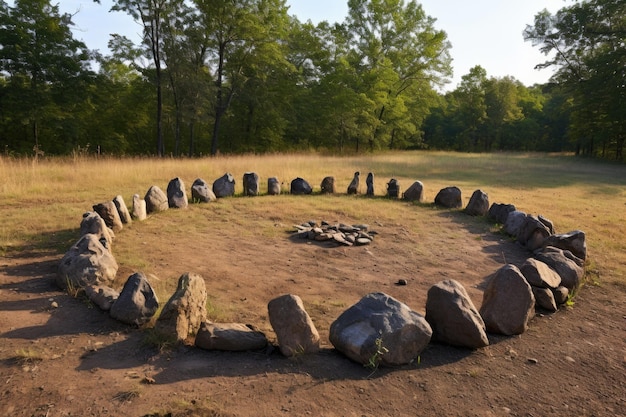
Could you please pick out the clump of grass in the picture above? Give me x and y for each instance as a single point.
(159, 340)
(127, 396)
(28, 356)
(374, 361)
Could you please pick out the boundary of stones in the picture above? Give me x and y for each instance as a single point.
(378, 329)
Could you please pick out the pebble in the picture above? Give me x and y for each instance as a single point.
(402, 282)
(533, 360)
(54, 304)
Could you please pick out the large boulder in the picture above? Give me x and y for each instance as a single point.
(532, 233)
(273, 186)
(353, 188)
(92, 223)
(300, 186)
(201, 192)
(185, 311)
(572, 241)
(102, 296)
(156, 200)
(478, 204)
(393, 188)
(230, 337)
(499, 212)
(140, 211)
(109, 214)
(224, 186)
(564, 263)
(137, 302)
(539, 274)
(250, 184)
(453, 317)
(449, 197)
(415, 192)
(328, 185)
(122, 210)
(176, 194)
(369, 181)
(87, 262)
(514, 222)
(380, 321)
(508, 302)
(294, 329)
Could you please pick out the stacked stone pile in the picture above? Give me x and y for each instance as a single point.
(378, 328)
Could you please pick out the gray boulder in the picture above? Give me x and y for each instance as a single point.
(449, 197)
(137, 302)
(109, 214)
(185, 311)
(514, 222)
(102, 296)
(294, 329)
(508, 302)
(499, 212)
(565, 264)
(393, 188)
(548, 223)
(415, 192)
(380, 321)
(574, 242)
(369, 181)
(140, 211)
(273, 186)
(453, 317)
(176, 194)
(230, 337)
(201, 192)
(92, 223)
(224, 186)
(87, 262)
(353, 188)
(544, 298)
(561, 294)
(539, 274)
(532, 233)
(478, 204)
(300, 186)
(122, 210)
(328, 185)
(156, 200)
(250, 184)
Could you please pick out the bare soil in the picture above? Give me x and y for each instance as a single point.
(60, 356)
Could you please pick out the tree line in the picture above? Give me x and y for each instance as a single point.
(241, 76)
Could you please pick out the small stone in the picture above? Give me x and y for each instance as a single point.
(533, 360)
(402, 282)
(54, 304)
(362, 241)
(570, 359)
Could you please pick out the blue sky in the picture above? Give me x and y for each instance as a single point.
(482, 32)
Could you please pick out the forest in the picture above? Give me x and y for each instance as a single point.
(243, 76)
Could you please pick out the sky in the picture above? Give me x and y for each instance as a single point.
(482, 32)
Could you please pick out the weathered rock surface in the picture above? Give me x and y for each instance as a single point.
(478, 204)
(156, 200)
(102, 296)
(532, 233)
(185, 311)
(250, 184)
(514, 222)
(393, 188)
(109, 214)
(230, 337)
(544, 298)
(369, 181)
(92, 223)
(294, 329)
(548, 223)
(273, 186)
(328, 185)
(539, 274)
(137, 302)
(201, 192)
(224, 186)
(353, 188)
(300, 186)
(122, 209)
(87, 262)
(499, 212)
(570, 271)
(453, 317)
(449, 197)
(573, 241)
(561, 294)
(415, 192)
(176, 194)
(377, 316)
(140, 211)
(508, 302)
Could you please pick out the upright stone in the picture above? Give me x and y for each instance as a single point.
(574, 242)
(140, 211)
(415, 192)
(92, 223)
(449, 197)
(87, 262)
(353, 188)
(532, 233)
(122, 210)
(137, 302)
(453, 317)
(565, 264)
(156, 200)
(250, 184)
(393, 188)
(300, 186)
(294, 328)
(201, 192)
(328, 185)
(478, 204)
(224, 186)
(273, 186)
(185, 311)
(176, 194)
(539, 274)
(369, 181)
(544, 298)
(514, 222)
(499, 212)
(109, 214)
(380, 321)
(508, 302)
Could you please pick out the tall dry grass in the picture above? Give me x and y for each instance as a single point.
(42, 201)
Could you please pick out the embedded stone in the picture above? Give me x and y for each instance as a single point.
(102, 296)
(574, 242)
(544, 298)
(137, 302)
(300, 186)
(393, 188)
(201, 192)
(87, 262)
(122, 210)
(561, 294)
(293, 326)
(234, 337)
(369, 181)
(353, 188)
(156, 200)
(224, 186)
(139, 208)
(415, 192)
(328, 185)
(499, 212)
(273, 186)
(539, 274)
(185, 311)
(176, 194)
(563, 263)
(514, 222)
(478, 204)
(532, 233)
(250, 184)
(449, 197)
(92, 223)
(109, 214)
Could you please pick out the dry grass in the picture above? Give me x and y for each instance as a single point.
(41, 202)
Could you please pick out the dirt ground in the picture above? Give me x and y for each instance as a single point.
(62, 357)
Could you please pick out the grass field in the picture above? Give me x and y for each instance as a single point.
(42, 202)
